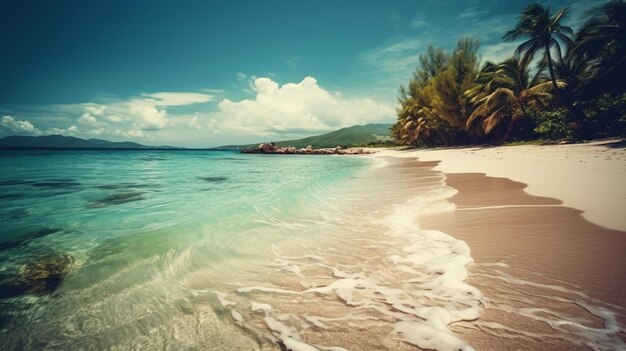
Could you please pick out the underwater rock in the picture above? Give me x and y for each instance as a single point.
(152, 158)
(122, 186)
(117, 199)
(214, 179)
(26, 238)
(56, 184)
(9, 182)
(39, 275)
(11, 196)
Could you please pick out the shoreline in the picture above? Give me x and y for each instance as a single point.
(534, 258)
(552, 278)
(589, 177)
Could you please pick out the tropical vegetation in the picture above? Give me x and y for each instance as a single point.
(558, 84)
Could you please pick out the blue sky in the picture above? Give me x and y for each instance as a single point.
(204, 73)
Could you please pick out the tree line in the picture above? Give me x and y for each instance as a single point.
(558, 84)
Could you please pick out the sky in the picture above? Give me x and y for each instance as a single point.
(209, 73)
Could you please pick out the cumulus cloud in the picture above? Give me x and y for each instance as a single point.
(114, 118)
(296, 108)
(147, 116)
(136, 115)
(11, 125)
(96, 110)
(72, 130)
(87, 119)
(193, 123)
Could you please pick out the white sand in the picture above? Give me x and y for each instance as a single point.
(590, 177)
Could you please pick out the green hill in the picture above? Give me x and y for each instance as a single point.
(359, 135)
(65, 142)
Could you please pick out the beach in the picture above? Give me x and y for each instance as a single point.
(545, 227)
(398, 250)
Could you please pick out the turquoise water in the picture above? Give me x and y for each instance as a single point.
(95, 195)
(79, 227)
(213, 250)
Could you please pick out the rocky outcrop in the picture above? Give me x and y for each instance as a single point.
(309, 150)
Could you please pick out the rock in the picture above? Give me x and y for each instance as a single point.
(41, 274)
(309, 150)
(267, 147)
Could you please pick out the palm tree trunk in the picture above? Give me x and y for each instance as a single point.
(509, 128)
(557, 91)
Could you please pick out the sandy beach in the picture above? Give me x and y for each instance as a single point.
(545, 225)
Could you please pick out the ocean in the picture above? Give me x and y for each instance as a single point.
(177, 249)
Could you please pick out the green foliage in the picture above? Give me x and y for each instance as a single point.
(605, 116)
(602, 40)
(448, 101)
(508, 93)
(433, 108)
(544, 33)
(553, 125)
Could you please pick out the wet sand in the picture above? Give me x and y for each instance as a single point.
(550, 278)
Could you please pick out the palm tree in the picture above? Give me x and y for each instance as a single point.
(508, 91)
(543, 32)
(576, 71)
(416, 123)
(602, 39)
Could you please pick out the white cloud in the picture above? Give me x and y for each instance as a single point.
(72, 130)
(147, 116)
(135, 133)
(114, 118)
(193, 123)
(97, 131)
(241, 76)
(165, 99)
(87, 119)
(296, 108)
(96, 110)
(12, 125)
(147, 112)
(55, 131)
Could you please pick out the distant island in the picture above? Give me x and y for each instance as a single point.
(68, 142)
(355, 136)
(358, 135)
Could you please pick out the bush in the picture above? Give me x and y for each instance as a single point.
(553, 125)
(604, 116)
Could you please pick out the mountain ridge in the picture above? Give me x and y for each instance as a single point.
(357, 135)
(68, 142)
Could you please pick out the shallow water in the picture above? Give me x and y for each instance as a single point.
(218, 250)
